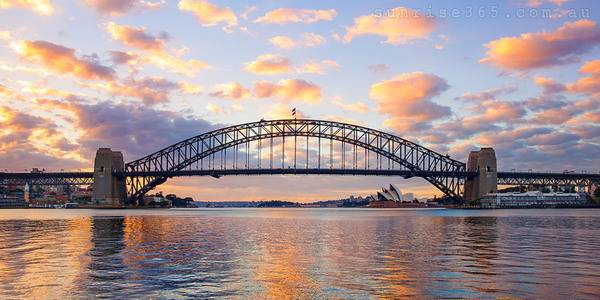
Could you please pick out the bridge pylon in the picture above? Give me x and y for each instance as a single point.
(108, 189)
(482, 162)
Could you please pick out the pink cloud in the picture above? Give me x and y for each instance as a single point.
(289, 89)
(42, 7)
(209, 14)
(292, 15)
(63, 60)
(231, 90)
(151, 90)
(137, 37)
(406, 99)
(543, 49)
(269, 64)
(120, 7)
(399, 26)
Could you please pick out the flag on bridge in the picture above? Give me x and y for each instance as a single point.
(294, 112)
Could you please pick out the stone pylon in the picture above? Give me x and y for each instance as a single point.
(486, 182)
(109, 190)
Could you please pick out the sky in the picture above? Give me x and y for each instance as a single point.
(522, 76)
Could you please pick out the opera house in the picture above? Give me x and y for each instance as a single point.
(393, 194)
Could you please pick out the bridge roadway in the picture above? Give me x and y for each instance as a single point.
(504, 178)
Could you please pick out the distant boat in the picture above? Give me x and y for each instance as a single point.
(71, 205)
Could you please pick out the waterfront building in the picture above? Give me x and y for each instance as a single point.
(535, 198)
(395, 191)
(13, 202)
(391, 194)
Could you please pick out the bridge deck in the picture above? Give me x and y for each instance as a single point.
(511, 178)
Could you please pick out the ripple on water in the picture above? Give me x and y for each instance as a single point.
(296, 253)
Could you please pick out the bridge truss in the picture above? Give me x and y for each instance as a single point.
(292, 147)
(309, 147)
(548, 179)
(62, 178)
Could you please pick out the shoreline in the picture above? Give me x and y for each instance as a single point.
(340, 208)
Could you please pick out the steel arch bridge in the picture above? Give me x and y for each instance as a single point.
(295, 146)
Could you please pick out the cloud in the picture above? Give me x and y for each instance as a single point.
(18, 127)
(282, 42)
(318, 67)
(269, 64)
(543, 49)
(292, 15)
(379, 68)
(28, 141)
(487, 95)
(42, 7)
(588, 85)
(190, 88)
(63, 60)
(442, 41)
(209, 14)
(553, 116)
(136, 130)
(154, 50)
(408, 87)
(549, 85)
(120, 7)
(538, 3)
(456, 129)
(39, 89)
(289, 89)
(509, 136)
(553, 138)
(562, 114)
(552, 107)
(137, 37)
(123, 58)
(495, 111)
(231, 90)
(308, 39)
(214, 109)
(175, 64)
(400, 25)
(247, 11)
(588, 131)
(4, 91)
(151, 90)
(357, 107)
(592, 117)
(5, 35)
(406, 99)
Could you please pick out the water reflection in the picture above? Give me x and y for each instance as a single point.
(300, 254)
(106, 267)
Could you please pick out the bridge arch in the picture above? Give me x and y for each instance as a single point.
(407, 155)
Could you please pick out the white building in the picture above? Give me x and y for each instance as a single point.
(393, 194)
(531, 199)
(395, 191)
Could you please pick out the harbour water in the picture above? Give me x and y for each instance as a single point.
(299, 253)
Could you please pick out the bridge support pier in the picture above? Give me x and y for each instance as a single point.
(109, 190)
(484, 163)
